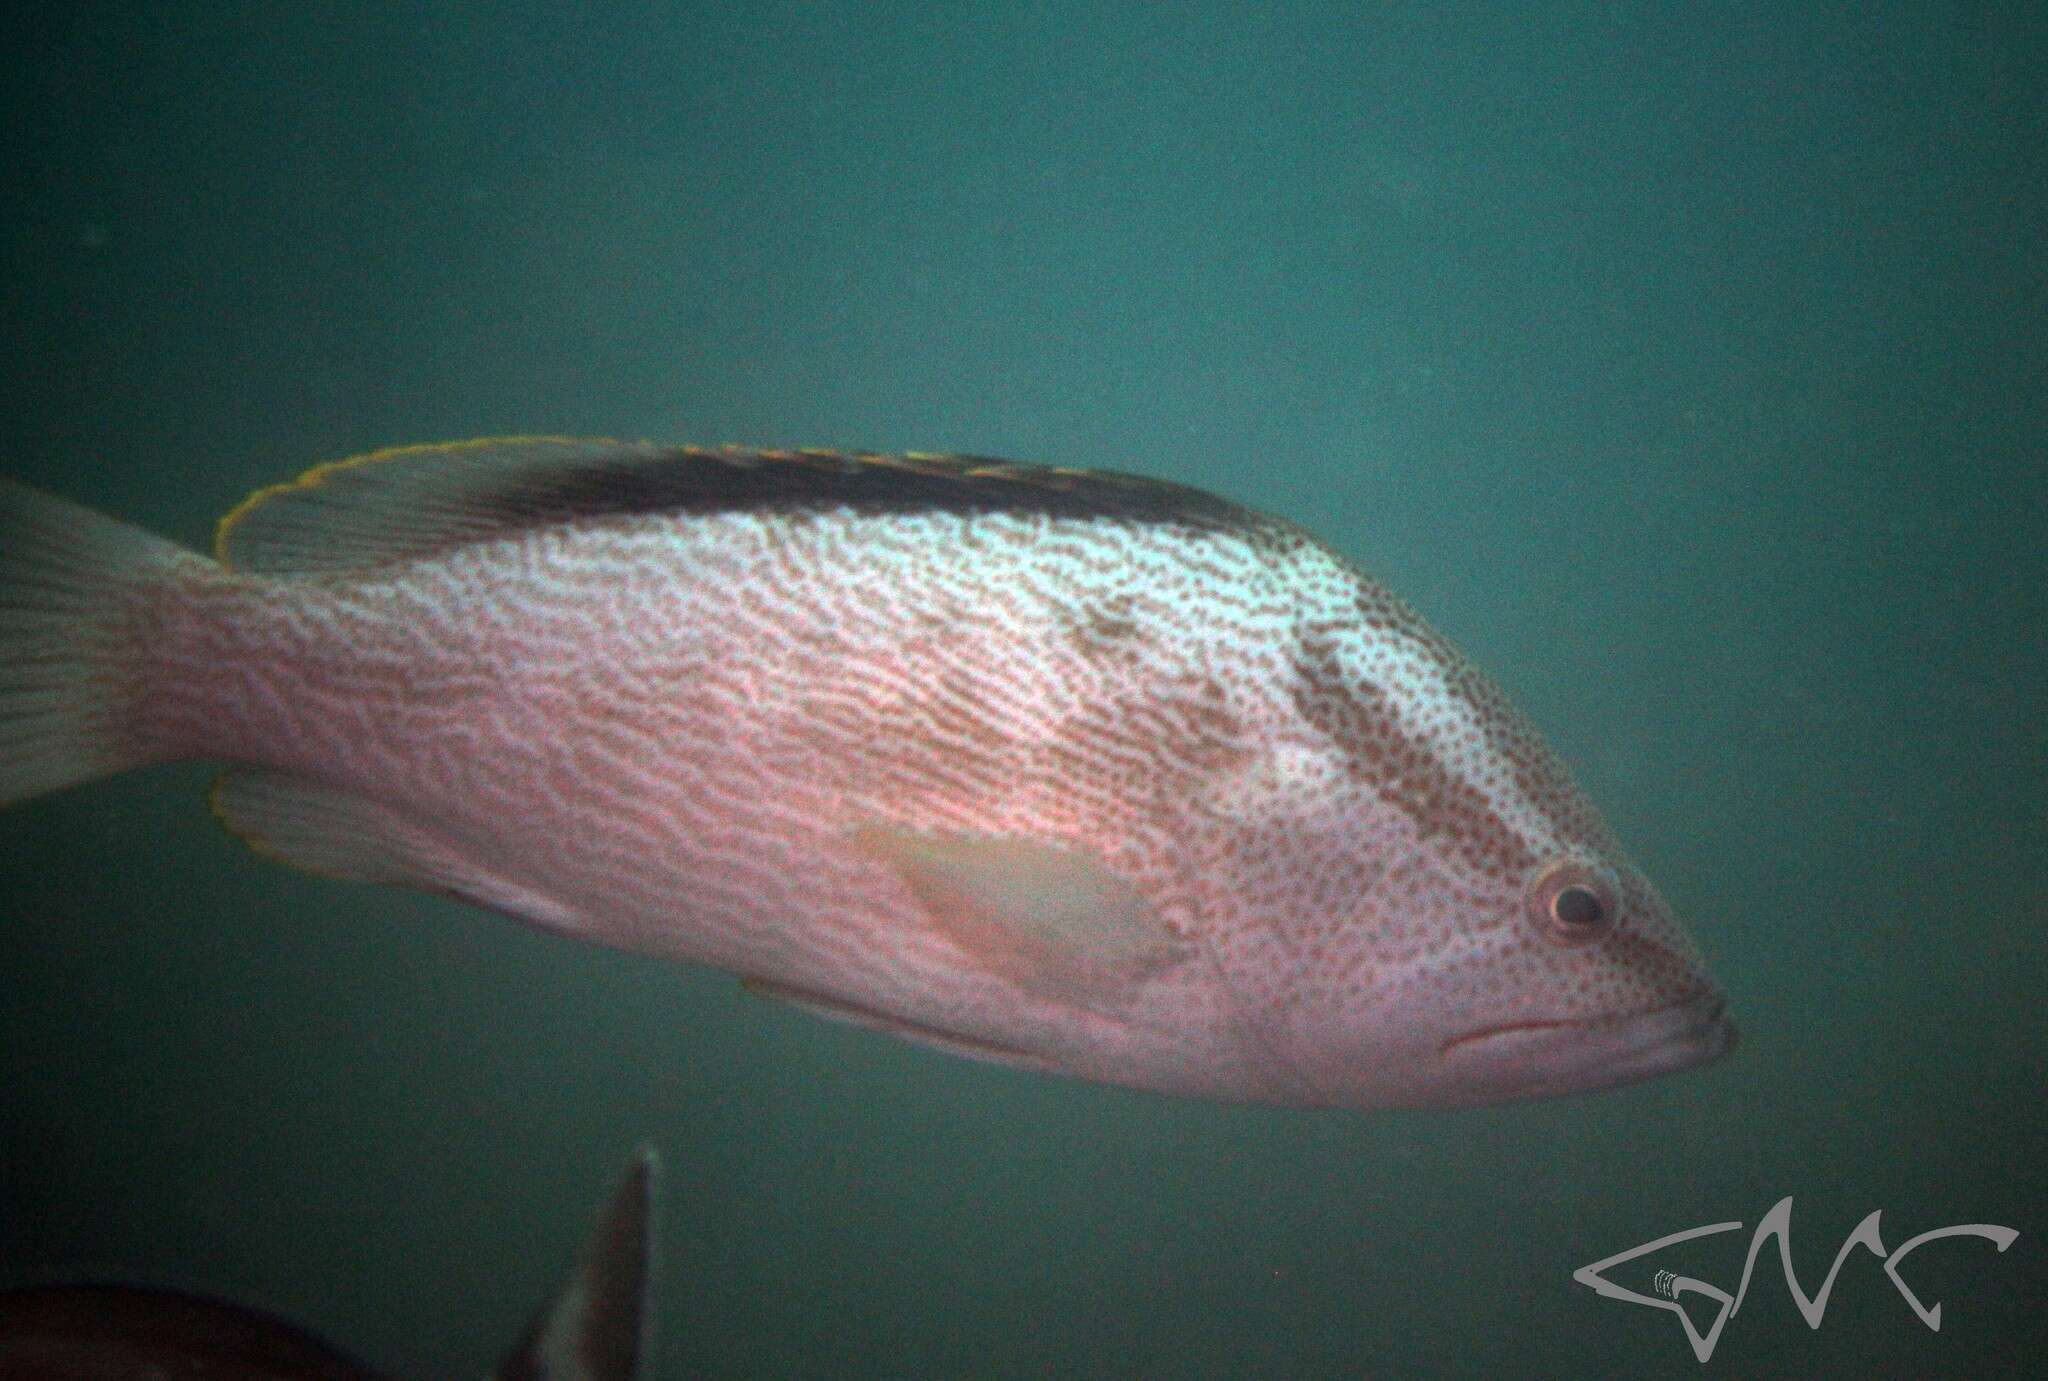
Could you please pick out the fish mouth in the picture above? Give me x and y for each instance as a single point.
(1577, 1054)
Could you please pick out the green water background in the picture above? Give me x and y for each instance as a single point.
(1685, 364)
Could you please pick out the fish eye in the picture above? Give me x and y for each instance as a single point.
(1573, 903)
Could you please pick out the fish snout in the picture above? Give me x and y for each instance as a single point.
(1691, 1032)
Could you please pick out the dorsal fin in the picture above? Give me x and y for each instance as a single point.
(597, 1327)
(413, 501)
(388, 505)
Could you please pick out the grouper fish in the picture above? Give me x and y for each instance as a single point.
(1068, 770)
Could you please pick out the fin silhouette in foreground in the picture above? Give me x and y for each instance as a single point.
(596, 1328)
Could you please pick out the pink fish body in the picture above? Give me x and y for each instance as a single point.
(1072, 771)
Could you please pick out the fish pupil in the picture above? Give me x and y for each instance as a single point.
(1578, 907)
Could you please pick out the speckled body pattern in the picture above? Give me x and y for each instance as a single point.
(667, 731)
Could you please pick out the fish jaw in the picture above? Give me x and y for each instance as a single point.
(1399, 1056)
(1545, 1058)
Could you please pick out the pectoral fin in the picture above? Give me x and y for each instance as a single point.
(1050, 919)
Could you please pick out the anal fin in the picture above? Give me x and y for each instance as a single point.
(312, 825)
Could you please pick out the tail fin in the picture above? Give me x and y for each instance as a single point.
(67, 581)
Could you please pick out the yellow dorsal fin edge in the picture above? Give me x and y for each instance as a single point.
(318, 474)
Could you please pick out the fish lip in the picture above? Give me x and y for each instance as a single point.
(1697, 1019)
